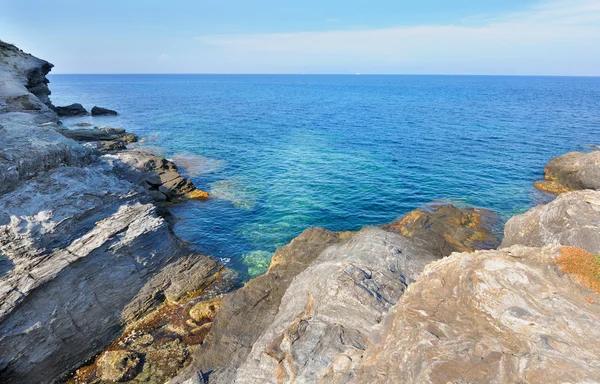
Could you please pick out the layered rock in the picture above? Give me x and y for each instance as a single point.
(78, 242)
(445, 229)
(573, 171)
(103, 139)
(157, 175)
(490, 317)
(572, 219)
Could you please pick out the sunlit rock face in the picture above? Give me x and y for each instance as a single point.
(572, 219)
(499, 316)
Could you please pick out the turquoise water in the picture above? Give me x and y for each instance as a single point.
(283, 153)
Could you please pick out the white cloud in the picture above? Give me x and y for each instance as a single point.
(557, 37)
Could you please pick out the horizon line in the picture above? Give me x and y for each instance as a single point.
(317, 74)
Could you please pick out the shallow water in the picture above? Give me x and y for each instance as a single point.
(283, 153)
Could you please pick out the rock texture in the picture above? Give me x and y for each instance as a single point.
(304, 329)
(572, 171)
(78, 241)
(572, 219)
(490, 317)
(99, 111)
(445, 229)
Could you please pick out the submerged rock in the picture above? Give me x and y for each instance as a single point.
(491, 316)
(448, 229)
(71, 110)
(99, 111)
(572, 219)
(573, 171)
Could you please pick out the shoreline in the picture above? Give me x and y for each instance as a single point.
(96, 273)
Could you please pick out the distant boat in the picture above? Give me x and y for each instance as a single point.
(358, 73)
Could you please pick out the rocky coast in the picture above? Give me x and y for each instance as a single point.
(96, 288)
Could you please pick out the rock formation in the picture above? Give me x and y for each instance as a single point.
(98, 111)
(78, 241)
(102, 139)
(570, 172)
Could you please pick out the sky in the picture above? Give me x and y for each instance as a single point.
(509, 37)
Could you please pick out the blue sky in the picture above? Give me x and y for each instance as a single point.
(544, 37)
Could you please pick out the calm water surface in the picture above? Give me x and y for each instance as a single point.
(283, 153)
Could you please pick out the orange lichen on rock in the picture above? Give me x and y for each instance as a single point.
(581, 264)
(197, 194)
(446, 229)
(551, 186)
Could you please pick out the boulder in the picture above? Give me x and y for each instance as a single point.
(573, 171)
(71, 110)
(102, 139)
(572, 219)
(445, 229)
(98, 111)
(497, 316)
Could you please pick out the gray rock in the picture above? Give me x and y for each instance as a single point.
(102, 139)
(572, 219)
(98, 111)
(507, 316)
(71, 110)
(26, 149)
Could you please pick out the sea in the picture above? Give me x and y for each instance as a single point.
(282, 153)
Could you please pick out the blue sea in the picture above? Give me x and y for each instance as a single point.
(281, 153)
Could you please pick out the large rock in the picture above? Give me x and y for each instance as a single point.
(502, 316)
(445, 229)
(323, 319)
(570, 172)
(99, 111)
(71, 110)
(572, 219)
